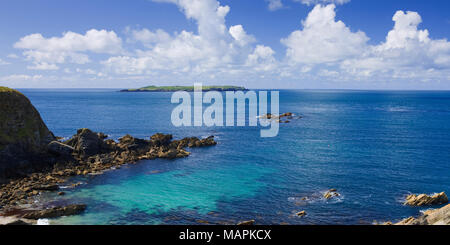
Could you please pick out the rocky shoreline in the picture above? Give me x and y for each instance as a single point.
(33, 160)
(88, 152)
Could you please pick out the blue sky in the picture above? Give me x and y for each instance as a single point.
(255, 43)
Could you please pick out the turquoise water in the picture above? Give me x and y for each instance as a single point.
(374, 147)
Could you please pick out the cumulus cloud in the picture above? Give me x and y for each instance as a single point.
(314, 2)
(274, 4)
(323, 39)
(322, 48)
(407, 51)
(20, 78)
(241, 37)
(71, 47)
(2, 62)
(262, 58)
(213, 47)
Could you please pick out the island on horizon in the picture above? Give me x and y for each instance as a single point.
(153, 88)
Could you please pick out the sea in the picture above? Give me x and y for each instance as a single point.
(374, 147)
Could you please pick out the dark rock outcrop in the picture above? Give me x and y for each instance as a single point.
(56, 212)
(23, 135)
(60, 149)
(18, 222)
(87, 143)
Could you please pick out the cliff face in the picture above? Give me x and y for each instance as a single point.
(23, 134)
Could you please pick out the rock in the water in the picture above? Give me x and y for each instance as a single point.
(161, 139)
(23, 135)
(424, 200)
(51, 187)
(440, 216)
(88, 143)
(331, 193)
(60, 149)
(248, 222)
(56, 212)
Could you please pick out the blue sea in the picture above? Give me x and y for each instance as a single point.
(374, 147)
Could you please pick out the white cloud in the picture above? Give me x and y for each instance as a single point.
(323, 39)
(43, 66)
(214, 47)
(71, 47)
(20, 78)
(241, 37)
(13, 56)
(274, 4)
(314, 2)
(262, 58)
(406, 52)
(2, 62)
(149, 38)
(323, 49)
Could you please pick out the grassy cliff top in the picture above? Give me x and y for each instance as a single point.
(183, 88)
(8, 90)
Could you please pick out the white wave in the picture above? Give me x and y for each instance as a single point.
(43, 222)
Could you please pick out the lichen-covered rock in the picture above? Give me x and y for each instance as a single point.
(424, 200)
(23, 134)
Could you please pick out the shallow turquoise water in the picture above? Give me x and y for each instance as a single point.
(374, 147)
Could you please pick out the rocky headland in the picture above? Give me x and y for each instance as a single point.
(33, 160)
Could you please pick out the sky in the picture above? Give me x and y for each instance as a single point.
(274, 44)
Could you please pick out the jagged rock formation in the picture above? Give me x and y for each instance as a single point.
(424, 200)
(440, 216)
(23, 135)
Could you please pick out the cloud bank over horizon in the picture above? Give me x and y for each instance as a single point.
(323, 48)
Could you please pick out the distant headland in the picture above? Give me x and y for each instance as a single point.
(184, 88)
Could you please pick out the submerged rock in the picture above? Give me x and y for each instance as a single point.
(56, 212)
(331, 193)
(424, 200)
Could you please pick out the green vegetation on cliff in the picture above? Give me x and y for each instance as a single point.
(183, 88)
